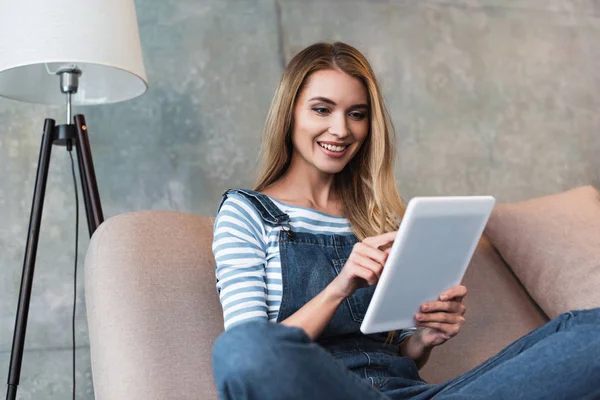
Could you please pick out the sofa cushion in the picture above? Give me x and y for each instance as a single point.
(552, 244)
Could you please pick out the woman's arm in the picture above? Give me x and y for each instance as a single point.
(314, 316)
(240, 256)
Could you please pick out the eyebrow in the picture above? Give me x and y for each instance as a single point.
(333, 103)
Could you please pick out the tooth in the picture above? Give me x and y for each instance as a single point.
(332, 148)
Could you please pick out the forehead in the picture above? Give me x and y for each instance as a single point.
(336, 85)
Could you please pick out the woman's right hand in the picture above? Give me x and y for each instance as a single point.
(364, 265)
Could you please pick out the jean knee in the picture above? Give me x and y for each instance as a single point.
(249, 336)
(245, 350)
(258, 333)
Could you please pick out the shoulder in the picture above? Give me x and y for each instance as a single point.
(237, 212)
(233, 198)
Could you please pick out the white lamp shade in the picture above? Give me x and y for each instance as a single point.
(100, 37)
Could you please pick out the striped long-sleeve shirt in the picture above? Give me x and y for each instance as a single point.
(247, 257)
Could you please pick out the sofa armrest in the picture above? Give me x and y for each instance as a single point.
(152, 306)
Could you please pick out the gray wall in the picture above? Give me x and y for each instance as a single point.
(488, 97)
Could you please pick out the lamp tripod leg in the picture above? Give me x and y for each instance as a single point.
(87, 175)
(35, 219)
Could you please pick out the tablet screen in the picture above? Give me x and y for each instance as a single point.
(430, 254)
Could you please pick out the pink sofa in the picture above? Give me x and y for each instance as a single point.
(153, 311)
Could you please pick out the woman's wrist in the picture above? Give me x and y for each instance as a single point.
(412, 347)
(331, 293)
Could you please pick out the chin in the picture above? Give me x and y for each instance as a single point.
(330, 169)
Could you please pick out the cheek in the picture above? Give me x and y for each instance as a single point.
(309, 125)
(361, 131)
(303, 132)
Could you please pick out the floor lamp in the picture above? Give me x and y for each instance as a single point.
(69, 52)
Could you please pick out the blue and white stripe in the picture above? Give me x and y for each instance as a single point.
(247, 256)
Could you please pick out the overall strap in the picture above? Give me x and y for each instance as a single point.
(269, 212)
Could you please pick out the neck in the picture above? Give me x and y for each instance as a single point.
(307, 184)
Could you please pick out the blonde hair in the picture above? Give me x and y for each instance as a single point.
(366, 185)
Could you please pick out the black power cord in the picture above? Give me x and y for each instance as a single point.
(69, 148)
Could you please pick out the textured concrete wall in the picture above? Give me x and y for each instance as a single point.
(488, 97)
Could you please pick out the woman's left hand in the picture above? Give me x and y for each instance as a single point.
(438, 321)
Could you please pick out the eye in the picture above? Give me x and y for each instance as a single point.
(321, 110)
(357, 115)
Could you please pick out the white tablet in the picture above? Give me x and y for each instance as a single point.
(434, 245)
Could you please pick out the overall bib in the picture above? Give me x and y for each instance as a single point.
(309, 262)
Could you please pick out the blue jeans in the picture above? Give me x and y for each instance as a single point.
(260, 360)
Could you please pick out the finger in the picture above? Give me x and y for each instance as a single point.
(440, 317)
(367, 251)
(367, 263)
(455, 292)
(448, 306)
(449, 329)
(367, 274)
(380, 240)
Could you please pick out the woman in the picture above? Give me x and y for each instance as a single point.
(304, 249)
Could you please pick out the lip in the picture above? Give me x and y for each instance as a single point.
(331, 153)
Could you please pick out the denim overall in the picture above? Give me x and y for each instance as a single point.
(309, 262)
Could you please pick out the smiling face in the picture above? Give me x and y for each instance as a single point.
(331, 121)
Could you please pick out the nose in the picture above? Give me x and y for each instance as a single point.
(339, 126)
